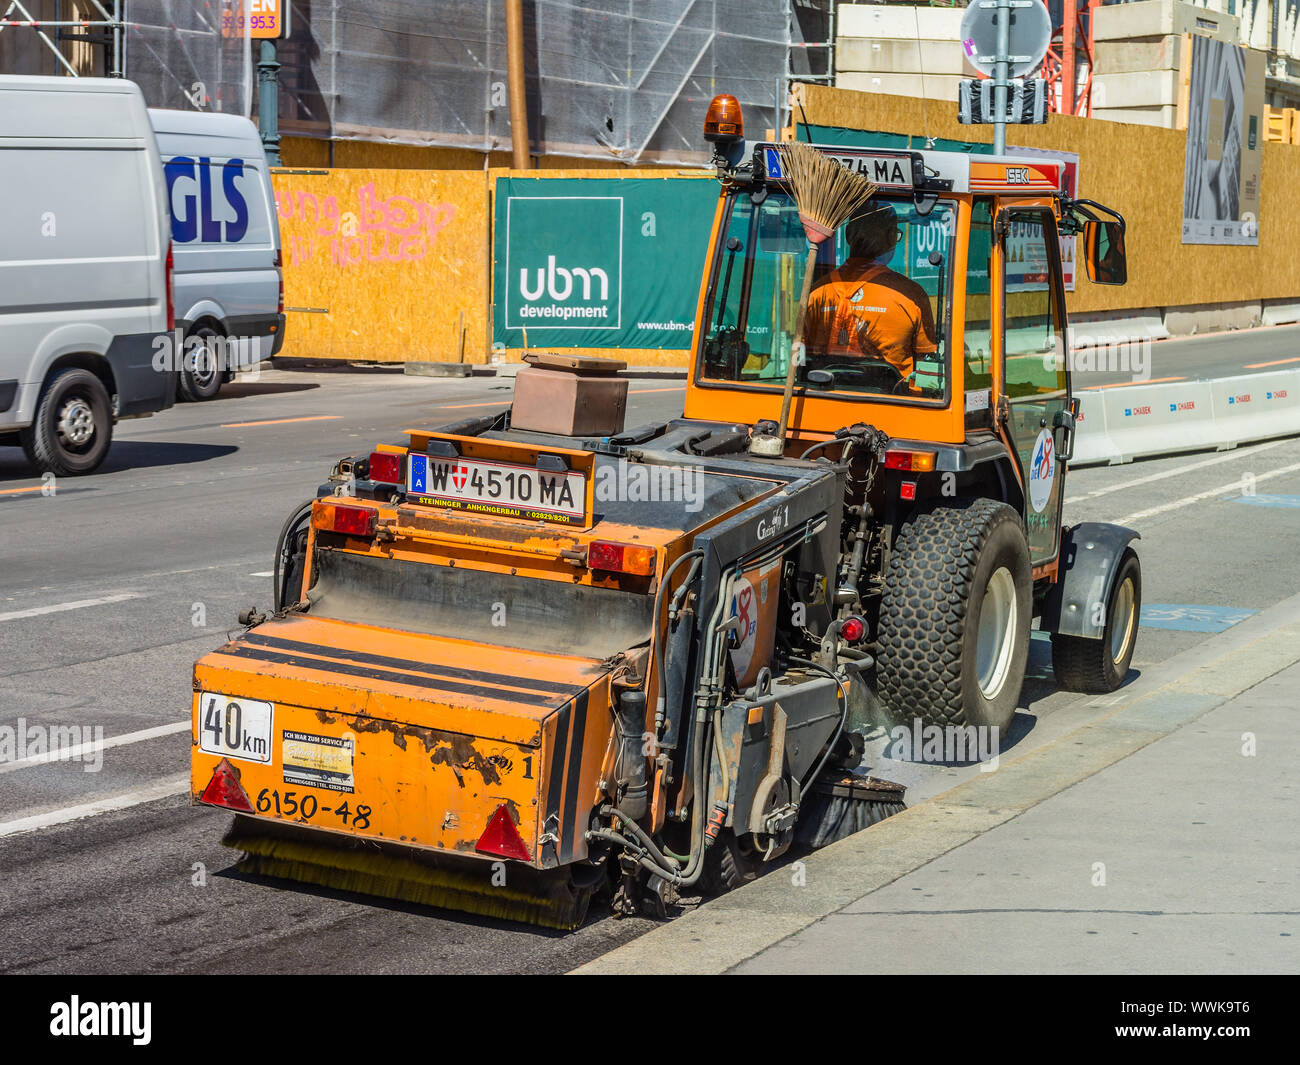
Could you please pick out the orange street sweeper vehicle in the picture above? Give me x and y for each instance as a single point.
(508, 668)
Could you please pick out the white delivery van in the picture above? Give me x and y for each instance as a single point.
(226, 243)
(84, 267)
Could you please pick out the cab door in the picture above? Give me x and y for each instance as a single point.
(1033, 383)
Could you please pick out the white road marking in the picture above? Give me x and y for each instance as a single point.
(264, 573)
(163, 789)
(1230, 456)
(79, 604)
(1207, 494)
(72, 754)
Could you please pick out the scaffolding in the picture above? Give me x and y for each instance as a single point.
(102, 31)
(1068, 64)
(175, 50)
(626, 80)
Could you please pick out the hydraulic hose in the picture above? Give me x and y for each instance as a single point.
(821, 444)
(636, 830)
(658, 640)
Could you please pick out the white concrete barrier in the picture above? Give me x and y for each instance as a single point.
(1121, 424)
(1281, 312)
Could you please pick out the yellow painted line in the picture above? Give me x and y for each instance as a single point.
(15, 491)
(1134, 384)
(1276, 362)
(283, 421)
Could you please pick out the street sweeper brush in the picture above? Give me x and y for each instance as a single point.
(513, 893)
(840, 806)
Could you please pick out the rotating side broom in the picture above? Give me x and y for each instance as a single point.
(827, 195)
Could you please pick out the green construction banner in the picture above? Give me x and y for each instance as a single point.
(599, 262)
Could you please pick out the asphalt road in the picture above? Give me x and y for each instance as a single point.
(111, 587)
(1183, 358)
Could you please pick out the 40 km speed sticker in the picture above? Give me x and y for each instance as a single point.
(236, 728)
(1042, 471)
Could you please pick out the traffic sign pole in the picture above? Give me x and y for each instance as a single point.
(1003, 15)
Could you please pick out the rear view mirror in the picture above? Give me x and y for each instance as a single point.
(1103, 252)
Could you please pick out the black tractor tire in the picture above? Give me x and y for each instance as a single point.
(1098, 667)
(947, 559)
(200, 376)
(730, 863)
(73, 427)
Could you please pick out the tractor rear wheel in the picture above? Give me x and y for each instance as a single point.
(955, 616)
(730, 863)
(1100, 666)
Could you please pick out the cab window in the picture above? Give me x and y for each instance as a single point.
(877, 320)
(1035, 340)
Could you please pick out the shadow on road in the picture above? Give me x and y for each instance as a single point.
(123, 455)
(244, 389)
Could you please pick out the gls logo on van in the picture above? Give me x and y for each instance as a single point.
(192, 216)
(564, 262)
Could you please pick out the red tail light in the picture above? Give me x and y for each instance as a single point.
(386, 466)
(341, 518)
(171, 290)
(279, 272)
(916, 461)
(852, 629)
(225, 790)
(502, 837)
(621, 558)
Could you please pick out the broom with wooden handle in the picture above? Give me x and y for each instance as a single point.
(827, 195)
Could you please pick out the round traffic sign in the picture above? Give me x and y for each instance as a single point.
(1031, 31)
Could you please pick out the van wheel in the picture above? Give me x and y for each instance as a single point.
(200, 377)
(955, 616)
(1098, 667)
(73, 426)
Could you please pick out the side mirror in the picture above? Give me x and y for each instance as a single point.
(820, 378)
(1103, 252)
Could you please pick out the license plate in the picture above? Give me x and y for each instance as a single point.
(235, 728)
(503, 489)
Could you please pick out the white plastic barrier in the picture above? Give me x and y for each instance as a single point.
(1256, 406)
(1092, 442)
(1121, 424)
(1158, 419)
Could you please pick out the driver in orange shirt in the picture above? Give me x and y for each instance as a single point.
(865, 310)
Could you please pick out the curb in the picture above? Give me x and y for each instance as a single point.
(729, 930)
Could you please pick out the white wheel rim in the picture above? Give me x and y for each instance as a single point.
(995, 640)
(205, 363)
(1121, 621)
(76, 422)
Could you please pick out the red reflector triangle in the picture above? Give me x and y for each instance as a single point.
(502, 837)
(225, 790)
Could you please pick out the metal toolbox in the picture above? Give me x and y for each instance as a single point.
(570, 395)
